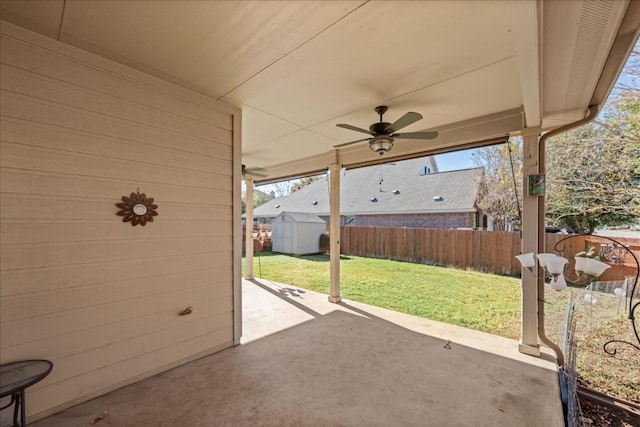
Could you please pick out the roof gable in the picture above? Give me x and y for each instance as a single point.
(301, 217)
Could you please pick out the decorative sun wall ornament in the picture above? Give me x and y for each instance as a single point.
(137, 209)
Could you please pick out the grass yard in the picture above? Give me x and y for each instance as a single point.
(484, 302)
(479, 301)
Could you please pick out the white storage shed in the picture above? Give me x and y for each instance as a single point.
(297, 233)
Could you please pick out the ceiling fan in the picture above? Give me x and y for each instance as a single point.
(257, 172)
(383, 133)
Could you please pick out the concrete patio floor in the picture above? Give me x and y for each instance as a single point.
(306, 362)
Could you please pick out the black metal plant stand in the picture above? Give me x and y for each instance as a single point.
(610, 346)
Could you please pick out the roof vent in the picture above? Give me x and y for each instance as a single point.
(277, 206)
(437, 198)
(396, 192)
(374, 199)
(314, 203)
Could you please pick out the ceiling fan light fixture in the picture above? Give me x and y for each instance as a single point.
(381, 144)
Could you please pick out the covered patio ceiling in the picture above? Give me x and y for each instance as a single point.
(476, 71)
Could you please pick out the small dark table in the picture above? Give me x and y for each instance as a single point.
(15, 378)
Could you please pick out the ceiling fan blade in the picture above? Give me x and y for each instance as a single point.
(403, 121)
(357, 129)
(257, 171)
(352, 142)
(415, 135)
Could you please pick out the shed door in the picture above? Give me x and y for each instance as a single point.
(287, 238)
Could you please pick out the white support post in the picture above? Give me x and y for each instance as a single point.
(248, 268)
(334, 232)
(532, 209)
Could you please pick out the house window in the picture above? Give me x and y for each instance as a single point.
(350, 220)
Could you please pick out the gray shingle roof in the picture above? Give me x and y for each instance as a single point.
(415, 192)
(303, 217)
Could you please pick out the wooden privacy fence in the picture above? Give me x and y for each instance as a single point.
(479, 250)
(488, 251)
(258, 246)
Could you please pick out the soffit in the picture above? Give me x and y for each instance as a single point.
(578, 37)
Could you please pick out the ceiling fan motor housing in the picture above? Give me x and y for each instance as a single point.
(379, 128)
(383, 133)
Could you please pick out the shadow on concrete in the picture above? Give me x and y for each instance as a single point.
(338, 369)
(285, 294)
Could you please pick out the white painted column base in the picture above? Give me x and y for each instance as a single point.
(335, 299)
(529, 349)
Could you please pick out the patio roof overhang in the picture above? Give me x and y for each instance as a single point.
(476, 71)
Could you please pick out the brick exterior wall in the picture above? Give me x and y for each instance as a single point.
(444, 220)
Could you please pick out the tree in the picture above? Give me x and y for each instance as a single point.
(303, 182)
(259, 198)
(593, 173)
(498, 190)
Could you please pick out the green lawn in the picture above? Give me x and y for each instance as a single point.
(484, 302)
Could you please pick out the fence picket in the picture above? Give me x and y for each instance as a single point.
(478, 250)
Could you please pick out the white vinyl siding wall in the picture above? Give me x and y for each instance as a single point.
(99, 297)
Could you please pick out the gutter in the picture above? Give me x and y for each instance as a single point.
(593, 113)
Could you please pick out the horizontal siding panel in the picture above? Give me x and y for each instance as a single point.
(17, 282)
(98, 380)
(42, 159)
(61, 93)
(52, 325)
(43, 303)
(35, 256)
(29, 232)
(83, 208)
(61, 139)
(80, 287)
(36, 60)
(39, 111)
(101, 357)
(17, 181)
(60, 346)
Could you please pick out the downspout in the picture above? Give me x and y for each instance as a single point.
(593, 113)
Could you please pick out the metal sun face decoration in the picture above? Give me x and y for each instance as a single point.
(137, 208)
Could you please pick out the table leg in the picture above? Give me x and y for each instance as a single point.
(15, 399)
(23, 412)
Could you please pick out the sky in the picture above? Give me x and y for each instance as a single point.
(455, 161)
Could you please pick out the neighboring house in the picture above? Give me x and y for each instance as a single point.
(410, 193)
